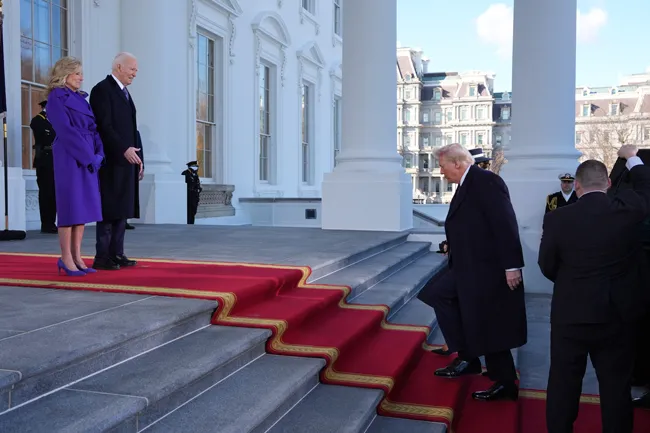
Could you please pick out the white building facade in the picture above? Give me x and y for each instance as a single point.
(251, 89)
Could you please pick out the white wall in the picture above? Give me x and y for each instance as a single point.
(298, 46)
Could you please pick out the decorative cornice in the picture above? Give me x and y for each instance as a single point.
(192, 24)
(231, 41)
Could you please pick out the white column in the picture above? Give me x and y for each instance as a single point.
(543, 117)
(368, 189)
(158, 36)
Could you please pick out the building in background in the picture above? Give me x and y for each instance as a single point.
(438, 108)
(607, 117)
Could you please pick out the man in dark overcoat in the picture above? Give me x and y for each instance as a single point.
(124, 168)
(44, 164)
(592, 252)
(479, 301)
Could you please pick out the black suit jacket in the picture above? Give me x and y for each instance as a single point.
(591, 250)
(118, 128)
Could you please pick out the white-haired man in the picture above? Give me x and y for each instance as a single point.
(479, 301)
(115, 114)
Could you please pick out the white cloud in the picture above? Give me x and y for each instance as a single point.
(494, 27)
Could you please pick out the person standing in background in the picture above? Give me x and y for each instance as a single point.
(565, 196)
(44, 164)
(124, 168)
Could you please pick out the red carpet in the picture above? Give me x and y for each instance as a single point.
(312, 320)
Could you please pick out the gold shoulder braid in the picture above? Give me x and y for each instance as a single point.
(552, 203)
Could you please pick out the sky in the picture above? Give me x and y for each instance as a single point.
(460, 35)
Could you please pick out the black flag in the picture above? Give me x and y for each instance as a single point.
(3, 95)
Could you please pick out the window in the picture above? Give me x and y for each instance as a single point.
(437, 94)
(497, 140)
(450, 187)
(450, 115)
(586, 110)
(438, 141)
(338, 24)
(306, 111)
(463, 139)
(505, 113)
(480, 113)
(646, 134)
(437, 118)
(479, 139)
(43, 41)
(336, 132)
(614, 109)
(265, 123)
(205, 116)
(407, 141)
(448, 139)
(463, 113)
(472, 90)
(407, 94)
(407, 115)
(578, 137)
(407, 160)
(436, 185)
(425, 117)
(425, 141)
(309, 6)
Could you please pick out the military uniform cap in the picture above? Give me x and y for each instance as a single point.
(43, 103)
(192, 163)
(478, 155)
(567, 177)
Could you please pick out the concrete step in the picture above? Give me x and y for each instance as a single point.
(54, 356)
(143, 389)
(331, 409)
(250, 400)
(383, 424)
(329, 266)
(365, 274)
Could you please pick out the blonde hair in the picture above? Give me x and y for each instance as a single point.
(62, 68)
(454, 153)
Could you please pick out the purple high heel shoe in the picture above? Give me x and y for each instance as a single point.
(86, 270)
(68, 272)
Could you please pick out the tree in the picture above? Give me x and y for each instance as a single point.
(498, 159)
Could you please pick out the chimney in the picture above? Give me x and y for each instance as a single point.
(425, 65)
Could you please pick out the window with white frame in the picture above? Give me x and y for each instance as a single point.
(438, 141)
(463, 113)
(309, 6)
(449, 139)
(425, 117)
(336, 127)
(338, 24)
(614, 109)
(265, 138)
(480, 113)
(407, 115)
(472, 90)
(497, 140)
(450, 115)
(407, 94)
(505, 113)
(480, 139)
(437, 118)
(646, 133)
(307, 133)
(437, 94)
(463, 139)
(425, 140)
(586, 110)
(43, 41)
(205, 105)
(578, 137)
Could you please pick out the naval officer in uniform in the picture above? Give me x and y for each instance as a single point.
(44, 164)
(565, 196)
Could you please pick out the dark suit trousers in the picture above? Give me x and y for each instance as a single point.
(611, 348)
(443, 297)
(110, 239)
(46, 195)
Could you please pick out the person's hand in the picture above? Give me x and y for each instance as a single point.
(513, 278)
(627, 151)
(132, 156)
(141, 173)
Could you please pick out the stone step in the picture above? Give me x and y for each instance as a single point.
(156, 383)
(329, 266)
(54, 356)
(250, 400)
(331, 409)
(365, 274)
(383, 424)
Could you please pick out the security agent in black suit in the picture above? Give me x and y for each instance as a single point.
(44, 164)
(119, 177)
(592, 253)
(565, 196)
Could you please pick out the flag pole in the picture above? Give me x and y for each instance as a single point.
(6, 234)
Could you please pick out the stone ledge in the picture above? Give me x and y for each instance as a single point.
(215, 200)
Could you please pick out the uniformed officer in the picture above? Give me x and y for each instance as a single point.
(194, 189)
(565, 196)
(44, 164)
(480, 159)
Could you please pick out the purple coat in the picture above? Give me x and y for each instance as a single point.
(78, 153)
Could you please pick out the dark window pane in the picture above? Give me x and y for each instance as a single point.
(42, 63)
(26, 18)
(42, 21)
(26, 59)
(27, 148)
(25, 101)
(38, 94)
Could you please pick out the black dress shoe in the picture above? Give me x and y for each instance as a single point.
(498, 391)
(441, 351)
(124, 261)
(129, 227)
(642, 402)
(49, 229)
(458, 367)
(105, 265)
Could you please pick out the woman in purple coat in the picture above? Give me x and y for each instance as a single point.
(78, 153)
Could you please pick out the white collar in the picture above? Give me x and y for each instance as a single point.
(567, 196)
(119, 83)
(464, 176)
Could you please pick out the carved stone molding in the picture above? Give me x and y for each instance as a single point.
(310, 57)
(231, 41)
(216, 201)
(269, 28)
(306, 16)
(31, 201)
(192, 24)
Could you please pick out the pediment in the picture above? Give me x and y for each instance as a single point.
(271, 25)
(336, 71)
(229, 6)
(312, 53)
